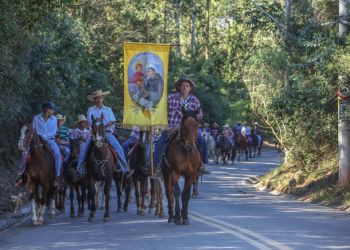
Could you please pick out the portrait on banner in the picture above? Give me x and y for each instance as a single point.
(146, 79)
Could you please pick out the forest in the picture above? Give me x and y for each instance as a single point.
(276, 62)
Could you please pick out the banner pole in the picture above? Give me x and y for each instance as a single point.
(151, 149)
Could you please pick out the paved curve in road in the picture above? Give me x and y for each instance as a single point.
(228, 214)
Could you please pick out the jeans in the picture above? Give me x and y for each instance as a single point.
(116, 146)
(57, 153)
(128, 143)
(202, 148)
(66, 152)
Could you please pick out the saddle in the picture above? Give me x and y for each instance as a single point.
(172, 133)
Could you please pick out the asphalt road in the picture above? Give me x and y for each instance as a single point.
(228, 214)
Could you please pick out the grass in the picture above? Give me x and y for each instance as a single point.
(316, 183)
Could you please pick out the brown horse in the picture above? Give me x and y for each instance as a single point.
(241, 146)
(78, 186)
(41, 174)
(182, 159)
(257, 145)
(100, 166)
(223, 149)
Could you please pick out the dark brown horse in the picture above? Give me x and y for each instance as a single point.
(223, 149)
(79, 186)
(182, 159)
(41, 174)
(140, 179)
(100, 166)
(241, 146)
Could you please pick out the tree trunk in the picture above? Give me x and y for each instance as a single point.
(287, 16)
(193, 31)
(207, 28)
(177, 26)
(344, 122)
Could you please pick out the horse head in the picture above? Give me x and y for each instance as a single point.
(189, 128)
(25, 133)
(98, 131)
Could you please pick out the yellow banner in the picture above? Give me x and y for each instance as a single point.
(145, 84)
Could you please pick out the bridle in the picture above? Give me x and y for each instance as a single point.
(189, 147)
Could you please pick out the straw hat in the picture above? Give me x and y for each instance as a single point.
(81, 118)
(215, 124)
(226, 126)
(206, 124)
(185, 79)
(97, 93)
(61, 117)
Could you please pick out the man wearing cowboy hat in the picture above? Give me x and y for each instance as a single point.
(215, 131)
(62, 137)
(228, 133)
(247, 133)
(108, 120)
(81, 132)
(183, 98)
(45, 125)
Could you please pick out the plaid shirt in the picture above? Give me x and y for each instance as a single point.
(175, 107)
(80, 134)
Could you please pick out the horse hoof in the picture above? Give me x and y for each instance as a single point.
(51, 216)
(143, 212)
(72, 215)
(171, 220)
(35, 223)
(177, 221)
(151, 211)
(125, 209)
(185, 222)
(161, 215)
(156, 213)
(91, 219)
(41, 222)
(120, 210)
(106, 219)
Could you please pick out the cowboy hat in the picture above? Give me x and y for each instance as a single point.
(226, 126)
(215, 124)
(61, 117)
(185, 79)
(97, 93)
(206, 124)
(81, 118)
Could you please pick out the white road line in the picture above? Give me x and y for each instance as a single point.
(240, 232)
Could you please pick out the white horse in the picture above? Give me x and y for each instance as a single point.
(211, 145)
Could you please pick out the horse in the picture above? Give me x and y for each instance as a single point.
(241, 145)
(79, 186)
(211, 145)
(257, 144)
(41, 174)
(100, 165)
(182, 158)
(223, 149)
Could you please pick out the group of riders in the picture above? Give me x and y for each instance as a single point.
(58, 137)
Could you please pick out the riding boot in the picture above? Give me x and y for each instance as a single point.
(203, 169)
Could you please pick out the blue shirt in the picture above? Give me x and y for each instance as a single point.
(46, 129)
(108, 116)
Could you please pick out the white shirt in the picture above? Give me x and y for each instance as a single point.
(135, 132)
(108, 116)
(246, 130)
(46, 129)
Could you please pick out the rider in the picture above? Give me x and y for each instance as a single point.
(183, 98)
(62, 138)
(247, 133)
(45, 125)
(108, 119)
(135, 135)
(228, 133)
(238, 128)
(215, 131)
(81, 132)
(257, 132)
(206, 129)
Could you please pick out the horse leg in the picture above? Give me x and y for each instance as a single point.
(137, 195)
(160, 196)
(118, 185)
(169, 190)
(246, 154)
(91, 195)
(177, 193)
(83, 198)
(79, 199)
(71, 197)
(127, 194)
(153, 192)
(107, 190)
(185, 197)
(144, 188)
(32, 197)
